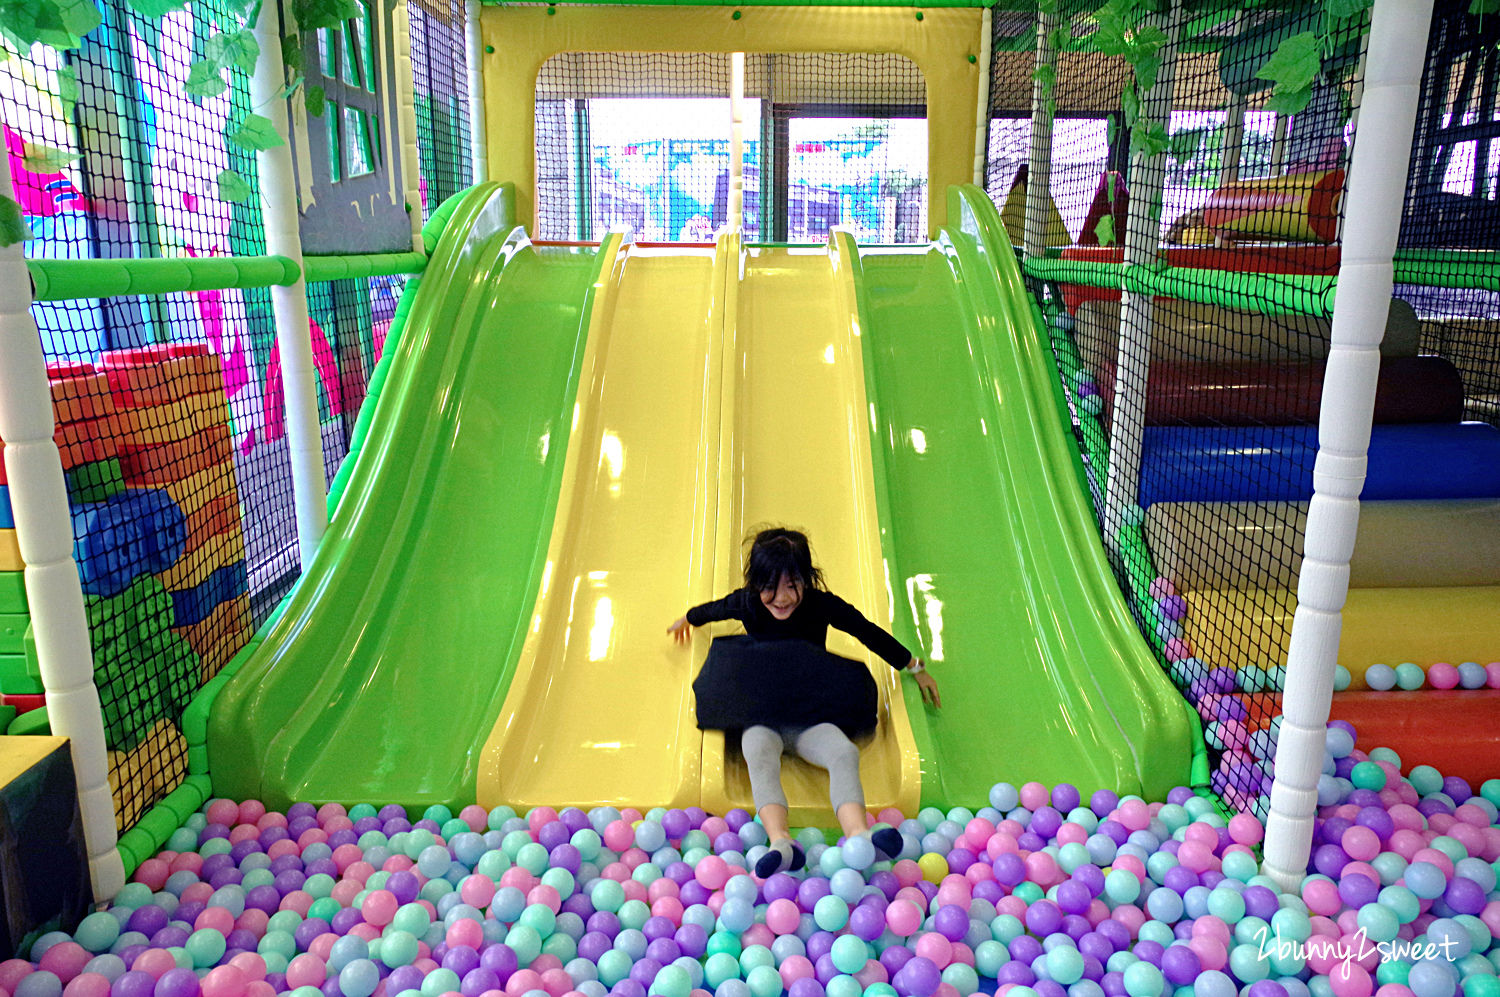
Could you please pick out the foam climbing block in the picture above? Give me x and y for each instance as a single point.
(1408, 544)
(194, 604)
(13, 592)
(159, 375)
(1380, 625)
(79, 393)
(219, 636)
(10, 552)
(144, 605)
(1275, 463)
(13, 632)
(218, 516)
(17, 677)
(96, 481)
(1247, 393)
(194, 567)
(207, 485)
(7, 517)
(139, 531)
(177, 460)
(1189, 331)
(87, 441)
(178, 419)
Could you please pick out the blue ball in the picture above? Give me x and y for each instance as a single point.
(1471, 675)
(1381, 678)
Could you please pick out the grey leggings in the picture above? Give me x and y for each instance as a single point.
(824, 745)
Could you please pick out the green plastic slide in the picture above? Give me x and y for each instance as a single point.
(387, 668)
(994, 558)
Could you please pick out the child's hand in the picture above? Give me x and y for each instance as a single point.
(681, 630)
(928, 685)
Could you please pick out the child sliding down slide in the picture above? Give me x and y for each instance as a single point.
(784, 691)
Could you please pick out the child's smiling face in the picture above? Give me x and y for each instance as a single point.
(783, 600)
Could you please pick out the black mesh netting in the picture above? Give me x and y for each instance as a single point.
(1213, 429)
(642, 139)
(169, 407)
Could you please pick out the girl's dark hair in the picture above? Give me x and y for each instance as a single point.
(778, 551)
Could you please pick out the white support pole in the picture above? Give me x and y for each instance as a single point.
(1233, 147)
(475, 53)
(736, 141)
(1039, 171)
(1278, 145)
(1377, 183)
(1142, 240)
(406, 124)
(982, 105)
(44, 532)
(293, 335)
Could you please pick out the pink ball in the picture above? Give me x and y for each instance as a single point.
(1177, 649)
(251, 811)
(153, 872)
(523, 980)
(872, 973)
(634, 857)
(214, 919)
(1394, 990)
(187, 862)
(87, 985)
(243, 832)
(366, 931)
(521, 879)
(548, 896)
(635, 890)
(251, 964)
(329, 811)
(253, 921)
(1435, 857)
(783, 916)
(1129, 915)
(1351, 980)
(757, 934)
(154, 962)
(222, 811)
(475, 816)
(465, 932)
(936, 947)
(618, 835)
(712, 872)
(65, 959)
(298, 900)
(1211, 952)
(270, 819)
(12, 972)
(306, 970)
(322, 945)
(1134, 815)
(1034, 795)
(1360, 843)
(379, 906)
(225, 981)
(907, 872)
(946, 990)
(286, 846)
(1161, 587)
(668, 907)
(1209, 926)
(1043, 869)
(1440, 675)
(903, 917)
(797, 967)
(1321, 897)
(544, 962)
(556, 982)
(1490, 916)
(1246, 829)
(344, 891)
(1071, 833)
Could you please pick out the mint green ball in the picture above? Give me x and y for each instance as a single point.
(879, 990)
(206, 946)
(1368, 775)
(1400, 901)
(719, 967)
(633, 914)
(532, 857)
(1143, 980)
(398, 948)
(960, 977)
(1246, 963)
(849, 954)
(440, 981)
(614, 966)
(1379, 923)
(672, 981)
(607, 895)
(1410, 676)
(1028, 891)
(98, 932)
(1065, 965)
(526, 943)
(1006, 928)
(753, 956)
(725, 943)
(830, 913)
(844, 985)
(1121, 886)
(763, 981)
(539, 918)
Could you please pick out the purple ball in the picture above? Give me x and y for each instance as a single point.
(394, 826)
(663, 951)
(805, 986)
(824, 969)
(656, 927)
(287, 882)
(1183, 930)
(148, 920)
(1117, 934)
(1065, 796)
(1363, 798)
(918, 978)
(565, 856)
(628, 988)
(240, 939)
(594, 944)
(305, 932)
(1210, 878)
(1343, 766)
(271, 835)
(439, 952)
(477, 981)
(1043, 918)
(212, 831)
(263, 898)
(1334, 827)
(404, 978)
(365, 824)
(1095, 945)
(1073, 897)
(1180, 879)
(1149, 951)
(226, 877)
(1173, 607)
(819, 944)
(1357, 889)
(1465, 896)
(681, 873)
(951, 921)
(214, 863)
(326, 867)
(134, 983)
(1267, 988)
(1430, 806)
(552, 834)
(1049, 988)
(343, 836)
(345, 919)
(1113, 984)
(575, 820)
(177, 983)
(303, 809)
(885, 881)
(989, 890)
(499, 959)
(1377, 819)
(1017, 972)
(811, 891)
(929, 890)
(692, 940)
(1008, 868)
(1457, 788)
(1025, 948)
(1031, 841)
(578, 903)
(1103, 801)
(462, 960)
(277, 981)
(1045, 822)
(296, 827)
(737, 818)
(1330, 860)
(1261, 902)
(728, 842)
(1114, 831)
(1093, 969)
(170, 937)
(404, 886)
(694, 892)
(1091, 877)
(427, 824)
(285, 863)
(959, 860)
(1180, 965)
(895, 957)
(867, 923)
(603, 922)
(1075, 926)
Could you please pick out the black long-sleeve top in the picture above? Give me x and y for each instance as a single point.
(810, 621)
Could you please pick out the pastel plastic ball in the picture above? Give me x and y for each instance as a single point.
(1410, 677)
(1442, 675)
(1380, 677)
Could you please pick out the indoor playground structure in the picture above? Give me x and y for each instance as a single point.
(378, 381)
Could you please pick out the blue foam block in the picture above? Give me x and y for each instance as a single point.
(1275, 463)
(7, 518)
(193, 605)
(139, 531)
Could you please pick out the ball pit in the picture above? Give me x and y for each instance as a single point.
(1040, 894)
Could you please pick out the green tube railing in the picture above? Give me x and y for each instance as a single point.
(372, 265)
(1466, 268)
(61, 280)
(1266, 293)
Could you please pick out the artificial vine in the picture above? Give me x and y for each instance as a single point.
(1297, 62)
(62, 25)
